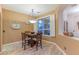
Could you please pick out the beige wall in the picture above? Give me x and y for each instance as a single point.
(11, 35)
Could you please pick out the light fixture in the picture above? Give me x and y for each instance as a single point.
(33, 20)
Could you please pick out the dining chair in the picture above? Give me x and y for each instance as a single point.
(24, 40)
(32, 32)
(38, 40)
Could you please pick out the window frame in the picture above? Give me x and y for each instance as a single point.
(43, 18)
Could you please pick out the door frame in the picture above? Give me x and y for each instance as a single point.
(1, 28)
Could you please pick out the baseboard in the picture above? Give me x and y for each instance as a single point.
(57, 47)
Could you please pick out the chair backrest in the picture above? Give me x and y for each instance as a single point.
(39, 36)
(32, 32)
(23, 36)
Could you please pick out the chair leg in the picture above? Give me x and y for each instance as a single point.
(41, 44)
(22, 44)
(24, 47)
(36, 45)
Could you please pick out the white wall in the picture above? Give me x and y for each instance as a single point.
(61, 18)
(72, 21)
(71, 14)
(60, 23)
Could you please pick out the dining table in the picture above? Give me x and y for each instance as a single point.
(32, 39)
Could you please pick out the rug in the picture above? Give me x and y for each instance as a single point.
(48, 49)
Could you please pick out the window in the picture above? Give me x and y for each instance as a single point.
(44, 25)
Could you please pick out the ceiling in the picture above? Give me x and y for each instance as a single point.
(27, 8)
(73, 9)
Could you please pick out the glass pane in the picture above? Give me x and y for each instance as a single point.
(40, 31)
(46, 26)
(40, 24)
(46, 23)
(46, 32)
(46, 20)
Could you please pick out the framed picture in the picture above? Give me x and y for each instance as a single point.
(15, 26)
